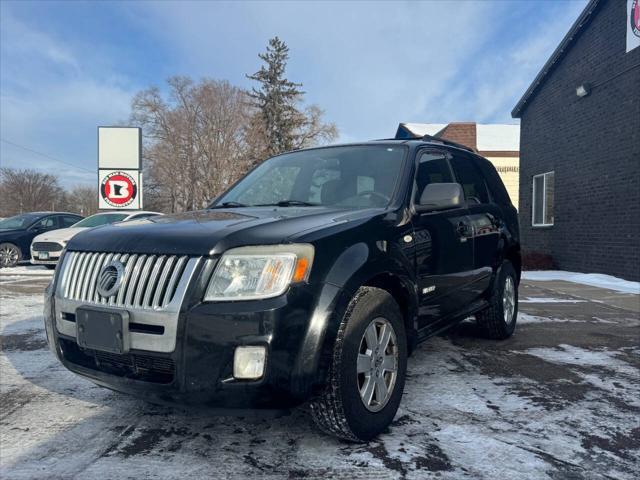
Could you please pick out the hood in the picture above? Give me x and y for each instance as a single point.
(208, 232)
(60, 235)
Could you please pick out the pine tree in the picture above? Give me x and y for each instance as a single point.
(276, 99)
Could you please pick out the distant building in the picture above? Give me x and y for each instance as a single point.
(580, 146)
(497, 142)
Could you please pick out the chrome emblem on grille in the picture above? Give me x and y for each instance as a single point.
(110, 278)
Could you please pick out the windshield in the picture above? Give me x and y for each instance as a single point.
(101, 219)
(19, 221)
(359, 176)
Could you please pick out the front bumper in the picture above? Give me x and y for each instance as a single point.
(52, 257)
(200, 368)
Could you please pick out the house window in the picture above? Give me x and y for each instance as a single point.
(543, 199)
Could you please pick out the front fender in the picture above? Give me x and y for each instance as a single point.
(352, 269)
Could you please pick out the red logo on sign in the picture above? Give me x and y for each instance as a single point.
(635, 18)
(118, 189)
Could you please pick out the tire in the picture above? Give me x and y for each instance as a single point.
(493, 320)
(10, 255)
(340, 409)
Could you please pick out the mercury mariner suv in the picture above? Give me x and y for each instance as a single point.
(310, 281)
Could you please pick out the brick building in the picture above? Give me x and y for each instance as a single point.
(580, 147)
(498, 143)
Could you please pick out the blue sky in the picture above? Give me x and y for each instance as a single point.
(66, 67)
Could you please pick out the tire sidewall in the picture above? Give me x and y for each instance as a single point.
(362, 422)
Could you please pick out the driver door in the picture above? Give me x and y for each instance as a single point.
(444, 246)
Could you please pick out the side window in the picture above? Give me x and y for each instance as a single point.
(67, 221)
(471, 179)
(543, 200)
(432, 168)
(47, 223)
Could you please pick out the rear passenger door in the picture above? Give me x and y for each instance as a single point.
(485, 217)
(443, 246)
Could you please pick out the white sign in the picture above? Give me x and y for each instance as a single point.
(119, 168)
(119, 189)
(633, 24)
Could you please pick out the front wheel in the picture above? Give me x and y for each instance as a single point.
(498, 320)
(367, 375)
(10, 255)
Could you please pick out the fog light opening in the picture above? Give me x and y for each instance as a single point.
(248, 362)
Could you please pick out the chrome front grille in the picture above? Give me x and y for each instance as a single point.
(149, 281)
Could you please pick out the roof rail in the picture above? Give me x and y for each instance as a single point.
(430, 138)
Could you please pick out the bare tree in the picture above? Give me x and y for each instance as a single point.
(195, 143)
(28, 191)
(82, 199)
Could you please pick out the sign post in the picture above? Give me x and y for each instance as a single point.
(119, 168)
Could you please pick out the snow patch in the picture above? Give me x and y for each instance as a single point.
(592, 279)
(33, 270)
(549, 300)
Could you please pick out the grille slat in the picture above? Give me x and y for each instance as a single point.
(149, 281)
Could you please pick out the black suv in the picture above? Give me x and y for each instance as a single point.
(310, 280)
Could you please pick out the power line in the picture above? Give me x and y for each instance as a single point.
(46, 156)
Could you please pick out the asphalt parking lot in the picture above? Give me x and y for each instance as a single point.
(559, 400)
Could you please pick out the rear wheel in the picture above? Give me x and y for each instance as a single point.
(498, 321)
(367, 374)
(10, 255)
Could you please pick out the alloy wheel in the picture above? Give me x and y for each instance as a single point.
(377, 364)
(508, 299)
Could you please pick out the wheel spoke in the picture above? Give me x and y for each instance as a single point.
(364, 363)
(385, 335)
(371, 336)
(389, 363)
(381, 389)
(367, 390)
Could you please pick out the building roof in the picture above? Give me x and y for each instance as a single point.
(480, 137)
(422, 129)
(556, 56)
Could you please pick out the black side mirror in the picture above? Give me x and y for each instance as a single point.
(441, 196)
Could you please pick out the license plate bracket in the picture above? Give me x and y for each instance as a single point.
(103, 329)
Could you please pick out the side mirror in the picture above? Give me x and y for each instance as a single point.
(441, 196)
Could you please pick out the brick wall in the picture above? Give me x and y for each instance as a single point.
(593, 145)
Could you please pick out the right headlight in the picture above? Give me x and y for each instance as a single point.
(255, 272)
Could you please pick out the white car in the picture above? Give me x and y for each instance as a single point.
(47, 247)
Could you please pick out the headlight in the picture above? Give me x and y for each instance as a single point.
(249, 273)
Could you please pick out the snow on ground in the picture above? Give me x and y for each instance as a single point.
(549, 300)
(593, 279)
(546, 404)
(31, 270)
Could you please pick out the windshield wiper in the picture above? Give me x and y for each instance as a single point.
(228, 205)
(288, 203)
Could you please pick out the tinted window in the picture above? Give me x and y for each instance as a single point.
(19, 221)
(68, 220)
(350, 177)
(47, 223)
(494, 182)
(432, 168)
(468, 175)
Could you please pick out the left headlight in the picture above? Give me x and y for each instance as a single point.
(255, 272)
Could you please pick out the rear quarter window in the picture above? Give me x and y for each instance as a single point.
(494, 182)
